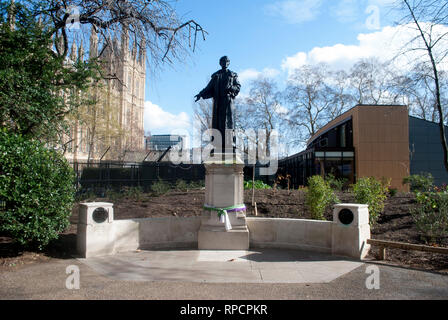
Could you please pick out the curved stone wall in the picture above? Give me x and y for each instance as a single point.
(173, 232)
(290, 233)
(336, 237)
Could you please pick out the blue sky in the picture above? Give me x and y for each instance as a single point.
(264, 37)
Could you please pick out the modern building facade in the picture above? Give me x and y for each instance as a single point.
(426, 152)
(162, 142)
(382, 141)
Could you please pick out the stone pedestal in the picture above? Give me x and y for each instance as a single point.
(95, 235)
(351, 230)
(224, 187)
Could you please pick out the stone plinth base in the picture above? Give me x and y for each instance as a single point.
(213, 238)
(224, 188)
(351, 230)
(96, 232)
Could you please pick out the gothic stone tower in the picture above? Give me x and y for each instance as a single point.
(131, 68)
(120, 100)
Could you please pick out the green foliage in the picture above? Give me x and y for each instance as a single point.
(319, 197)
(181, 185)
(419, 182)
(335, 183)
(113, 195)
(38, 89)
(196, 185)
(134, 193)
(372, 192)
(431, 217)
(393, 192)
(85, 195)
(37, 187)
(160, 187)
(258, 185)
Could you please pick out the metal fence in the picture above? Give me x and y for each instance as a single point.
(116, 175)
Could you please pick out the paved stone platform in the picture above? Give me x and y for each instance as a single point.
(253, 266)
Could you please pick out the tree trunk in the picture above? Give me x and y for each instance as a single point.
(437, 85)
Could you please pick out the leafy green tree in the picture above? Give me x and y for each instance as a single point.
(36, 85)
(38, 89)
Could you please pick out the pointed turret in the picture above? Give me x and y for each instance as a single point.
(40, 22)
(107, 47)
(81, 51)
(134, 50)
(116, 47)
(93, 49)
(59, 43)
(11, 15)
(142, 53)
(73, 53)
(124, 41)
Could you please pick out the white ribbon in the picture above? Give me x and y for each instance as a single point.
(224, 218)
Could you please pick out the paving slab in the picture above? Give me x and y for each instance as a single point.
(251, 266)
(49, 280)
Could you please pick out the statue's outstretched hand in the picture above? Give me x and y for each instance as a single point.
(197, 97)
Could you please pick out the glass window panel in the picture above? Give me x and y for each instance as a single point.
(333, 154)
(333, 167)
(348, 154)
(343, 136)
(347, 170)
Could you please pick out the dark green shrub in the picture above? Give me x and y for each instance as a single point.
(336, 183)
(372, 192)
(393, 192)
(160, 187)
(181, 185)
(258, 185)
(420, 182)
(431, 217)
(113, 195)
(196, 184)
(319, 197)
(134, 193)
(37, 187)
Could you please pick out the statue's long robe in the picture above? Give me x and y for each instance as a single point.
(223, 88)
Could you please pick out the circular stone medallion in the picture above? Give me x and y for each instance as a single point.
(346, 216)
(100, 215)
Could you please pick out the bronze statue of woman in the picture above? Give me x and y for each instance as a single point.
(223, 88)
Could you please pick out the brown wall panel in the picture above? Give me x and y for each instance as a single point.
(383, 143)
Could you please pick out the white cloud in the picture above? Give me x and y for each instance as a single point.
(252, 74)
(247, 75)
(155, 118)
(295, 11)
(294, 62)
(386, 44)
